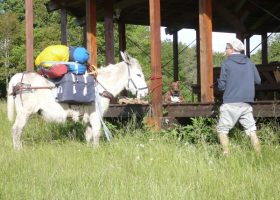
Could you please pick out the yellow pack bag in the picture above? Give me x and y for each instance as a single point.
(59, 53)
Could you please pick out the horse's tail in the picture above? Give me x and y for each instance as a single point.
(10, 98)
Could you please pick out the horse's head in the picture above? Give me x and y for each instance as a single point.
(136, 80)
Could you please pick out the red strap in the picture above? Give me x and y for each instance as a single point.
(156, 77)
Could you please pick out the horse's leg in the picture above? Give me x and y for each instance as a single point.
(89, 135)
(95, 129)
(17, 129)
(53, 112)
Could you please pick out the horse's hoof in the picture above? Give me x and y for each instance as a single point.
(17, 147)
(93, 145)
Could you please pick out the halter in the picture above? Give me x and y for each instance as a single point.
(131, 80)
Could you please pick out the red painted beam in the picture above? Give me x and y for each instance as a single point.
(156, 74)
(29, 35)
(206, 61)
(91, 31)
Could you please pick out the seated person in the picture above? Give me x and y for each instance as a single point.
(174, 95)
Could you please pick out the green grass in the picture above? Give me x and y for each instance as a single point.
(55, 163)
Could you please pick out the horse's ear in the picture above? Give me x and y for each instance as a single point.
(125, 56)
(128, 56)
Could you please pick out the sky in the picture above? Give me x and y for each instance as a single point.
(218, 39)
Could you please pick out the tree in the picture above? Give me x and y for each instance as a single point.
(9, 26)
(274, 48)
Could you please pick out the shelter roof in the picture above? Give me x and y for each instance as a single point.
(247, 16)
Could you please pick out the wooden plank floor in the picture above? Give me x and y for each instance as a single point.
(261, 109)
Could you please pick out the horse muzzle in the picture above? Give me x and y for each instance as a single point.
(142, 92)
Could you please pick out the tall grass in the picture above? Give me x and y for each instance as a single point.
(182, 163)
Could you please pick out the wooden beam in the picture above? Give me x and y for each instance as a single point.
(122, 38)
(175, 57)
(126, 3)
(122, 46)
(240, 36)
(156, 73)
(264, 18)
(29, 35)
(261, 109)
(109, 31)
(198, 80)
(120, 5)
(91, 43)
(186, 21)
(63, 26)
(52, 6)
(206, 61)
(248, 46)
(229, 17)
(239, 5)
(264, 48)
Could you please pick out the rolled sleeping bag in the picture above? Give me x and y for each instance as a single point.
(56, 71)
(78, 54)
(59, 53)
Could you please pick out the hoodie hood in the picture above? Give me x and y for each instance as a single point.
(238, 58)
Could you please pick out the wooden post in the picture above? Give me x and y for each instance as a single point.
(156, 74)
(122, 46)
(264, 49)
(198, 82)
(29, 35)
(122, 38)
(63, 26)
(240, 36)
(91, 31)
(248, 46)
(175, 57)
(206, 62)
(109, 31)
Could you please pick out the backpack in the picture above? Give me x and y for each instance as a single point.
(72, 88)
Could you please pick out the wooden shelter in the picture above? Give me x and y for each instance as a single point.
(243, 17)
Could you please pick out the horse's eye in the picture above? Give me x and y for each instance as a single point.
(138, 75)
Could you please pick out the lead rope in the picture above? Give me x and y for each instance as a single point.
(98, 106)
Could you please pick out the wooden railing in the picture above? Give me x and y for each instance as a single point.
(269, 88)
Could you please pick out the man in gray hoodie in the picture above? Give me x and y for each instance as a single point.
(237, 80)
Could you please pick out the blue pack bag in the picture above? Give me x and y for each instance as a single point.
(77, 68)
(75, 89)
(78, 54)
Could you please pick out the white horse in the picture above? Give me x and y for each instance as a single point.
(39, 98)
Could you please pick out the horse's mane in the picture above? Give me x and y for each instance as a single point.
(112, 68)
(118, 68)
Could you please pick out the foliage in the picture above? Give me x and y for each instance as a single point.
(257, 57)
(9, 35)
(274, 48)
(218, 59)
(136, 164)
(47, 32)
(199, 130)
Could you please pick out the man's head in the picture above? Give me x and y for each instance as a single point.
(234, 46)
